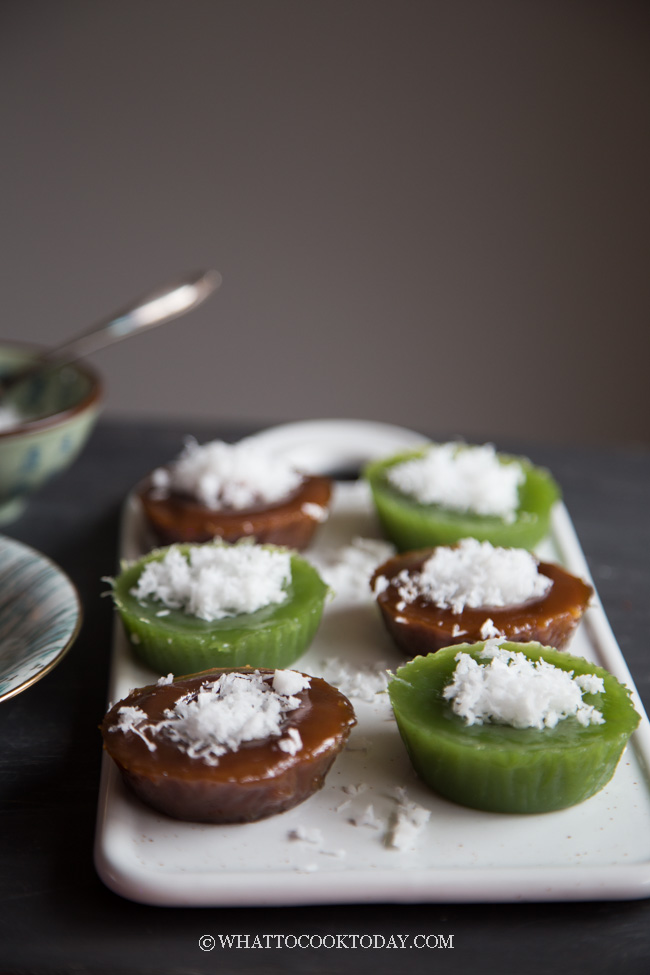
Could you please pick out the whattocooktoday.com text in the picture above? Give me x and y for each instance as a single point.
(209, 942)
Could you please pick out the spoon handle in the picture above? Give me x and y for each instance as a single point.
(157, 306)
(154, 308)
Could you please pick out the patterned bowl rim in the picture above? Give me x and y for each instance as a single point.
(89, 402)
(34, 554)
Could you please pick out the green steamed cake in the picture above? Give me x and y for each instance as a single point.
(498, 767)
(172, 640)
(411, 524)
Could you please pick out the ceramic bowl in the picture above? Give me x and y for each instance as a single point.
(56, 413)
(40, 616)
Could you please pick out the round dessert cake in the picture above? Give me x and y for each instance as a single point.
(441, 596)
(233, 491)
(228, 745)
(189, 607)
(511, 727)
(440, 493)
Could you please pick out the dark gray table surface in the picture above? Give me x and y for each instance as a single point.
(57, 916)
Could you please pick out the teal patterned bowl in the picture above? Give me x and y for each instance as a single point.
(40, 616)
(52, 417)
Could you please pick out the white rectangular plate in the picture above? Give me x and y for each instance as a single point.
(595, 851)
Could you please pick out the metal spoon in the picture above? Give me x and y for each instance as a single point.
(158, 306)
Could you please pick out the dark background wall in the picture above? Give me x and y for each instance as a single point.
(430, 213)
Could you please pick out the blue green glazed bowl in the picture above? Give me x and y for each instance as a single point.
(53, 415)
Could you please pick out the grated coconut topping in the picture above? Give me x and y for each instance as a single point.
(473, 574)
(461, 478)
(511, 689)
(217, 580)
(222, 475)
(222, 714)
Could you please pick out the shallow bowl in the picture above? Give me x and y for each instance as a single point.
(40, 616)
